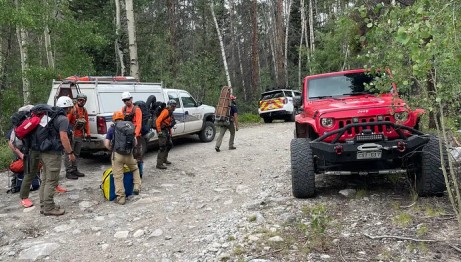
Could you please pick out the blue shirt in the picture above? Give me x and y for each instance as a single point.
(110, 133)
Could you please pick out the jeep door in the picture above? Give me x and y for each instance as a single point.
(178, 113)
(192, 113)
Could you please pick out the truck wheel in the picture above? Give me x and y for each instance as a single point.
(291, 118)
(267, 120)
(429, 176)
(302, 168)
(208, 132)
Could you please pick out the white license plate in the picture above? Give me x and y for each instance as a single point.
(369, 155)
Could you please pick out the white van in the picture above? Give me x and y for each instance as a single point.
(104, 98)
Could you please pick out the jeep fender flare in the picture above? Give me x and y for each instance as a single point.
(305, 128)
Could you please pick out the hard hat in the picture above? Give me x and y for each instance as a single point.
(81, 96)
(171, 102)
(232, 97)
(126, 95)
(118, 115)
(64, 101)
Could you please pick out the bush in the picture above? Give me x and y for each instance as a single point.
(6, 156)
(249, 118)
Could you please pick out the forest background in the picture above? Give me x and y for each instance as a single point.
(252, 45)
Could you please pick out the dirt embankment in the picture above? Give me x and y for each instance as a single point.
(231, 206)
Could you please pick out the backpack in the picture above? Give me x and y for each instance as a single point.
(123, 139)
(80, 121)
(145, 116)
(15, 183)
(45, 136)
(108, 185)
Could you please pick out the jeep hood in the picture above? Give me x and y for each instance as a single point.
(343, 104)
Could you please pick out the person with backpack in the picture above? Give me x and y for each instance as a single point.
(165, 121)
(133, 113)
(50, 138)
(78, 120)
(233, 126)
(120, 139)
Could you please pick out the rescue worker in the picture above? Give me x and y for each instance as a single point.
(50, 150)
(78, 120)
(118, 162)
(165, 121)
(134, 114)
(233, 126)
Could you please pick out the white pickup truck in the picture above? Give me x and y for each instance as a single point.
(104, 98)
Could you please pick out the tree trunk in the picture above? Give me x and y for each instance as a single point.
(223, 52)
(48, 49)
(311, 26)
(279, 44)
(22, 41)
(236, 44)
(172, 31)
(118, 40)
(254, 51)
(287, 26)
(134, 66)
(303, 32)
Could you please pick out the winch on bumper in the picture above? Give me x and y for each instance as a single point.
(368, 146)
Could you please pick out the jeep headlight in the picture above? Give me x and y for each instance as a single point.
(401, 116)
(327, 122)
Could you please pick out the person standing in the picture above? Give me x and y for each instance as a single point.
(112, 142)
(233, 126)
(78, 120)
(165, 121)
(133, 114)
(50, 138)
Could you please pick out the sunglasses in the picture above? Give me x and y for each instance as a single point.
(125, 100)
(80, 100)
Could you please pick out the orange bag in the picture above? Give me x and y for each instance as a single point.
(17, 166)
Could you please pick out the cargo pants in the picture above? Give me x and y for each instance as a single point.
(30, 172)
(118, 161)
(222, 131)
(51, 161)
(165, 144)
(71, 166)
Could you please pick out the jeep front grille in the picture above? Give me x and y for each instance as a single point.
(378, 129)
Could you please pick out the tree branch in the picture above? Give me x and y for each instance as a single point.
(401, 238)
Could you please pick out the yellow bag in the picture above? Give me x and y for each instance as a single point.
(108, 186)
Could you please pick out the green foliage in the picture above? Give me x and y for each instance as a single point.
(6, 156)
(403, 219)
(249, 118)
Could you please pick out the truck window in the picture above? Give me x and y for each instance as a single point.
(187, 100)
(174, 95)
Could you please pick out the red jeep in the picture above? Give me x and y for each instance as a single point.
(346, 129)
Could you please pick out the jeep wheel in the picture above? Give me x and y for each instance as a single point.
(429, 176)
(208, 132)
(267, 120)
(302, 168)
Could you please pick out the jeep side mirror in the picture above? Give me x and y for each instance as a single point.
(297, 102)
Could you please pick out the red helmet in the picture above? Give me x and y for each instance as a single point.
(232, 97)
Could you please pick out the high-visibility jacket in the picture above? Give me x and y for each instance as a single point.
(77, 113)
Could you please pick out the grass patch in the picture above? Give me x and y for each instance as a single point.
(238, 250)
(421, 231)
(433, 212)
(403, 219)
(6, 156)
(252, 218)
(230, 238)
(249, 118)
(361, 193)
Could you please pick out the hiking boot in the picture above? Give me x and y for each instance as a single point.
(54, 212)
(79, 174)
(71, 176)
(60, 189)
(160, 166)
(26, 202)
(42, 210)
(167, 162)
(217, 149)
(136, 191)
(232, 148)
(121, 200)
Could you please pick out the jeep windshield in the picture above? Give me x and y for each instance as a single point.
(339, 85)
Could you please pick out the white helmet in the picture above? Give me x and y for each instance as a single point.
(64, 101)
(126, 95)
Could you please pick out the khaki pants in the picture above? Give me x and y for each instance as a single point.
(118, 161)
(71, 166)
(50, 178)
(222, 131)
(30, 171)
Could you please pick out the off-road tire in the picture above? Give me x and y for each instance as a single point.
(302, 168)
(208, 132)
(429, 176)
(267, 120)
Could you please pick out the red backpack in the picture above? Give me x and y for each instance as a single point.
(30, 123)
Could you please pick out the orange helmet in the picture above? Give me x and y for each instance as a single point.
(118, 115)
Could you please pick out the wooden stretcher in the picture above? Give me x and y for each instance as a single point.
(223, 107)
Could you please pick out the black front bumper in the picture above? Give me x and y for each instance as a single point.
(355, 150)
(275, 114)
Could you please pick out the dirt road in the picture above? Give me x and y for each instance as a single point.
(229, 206)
